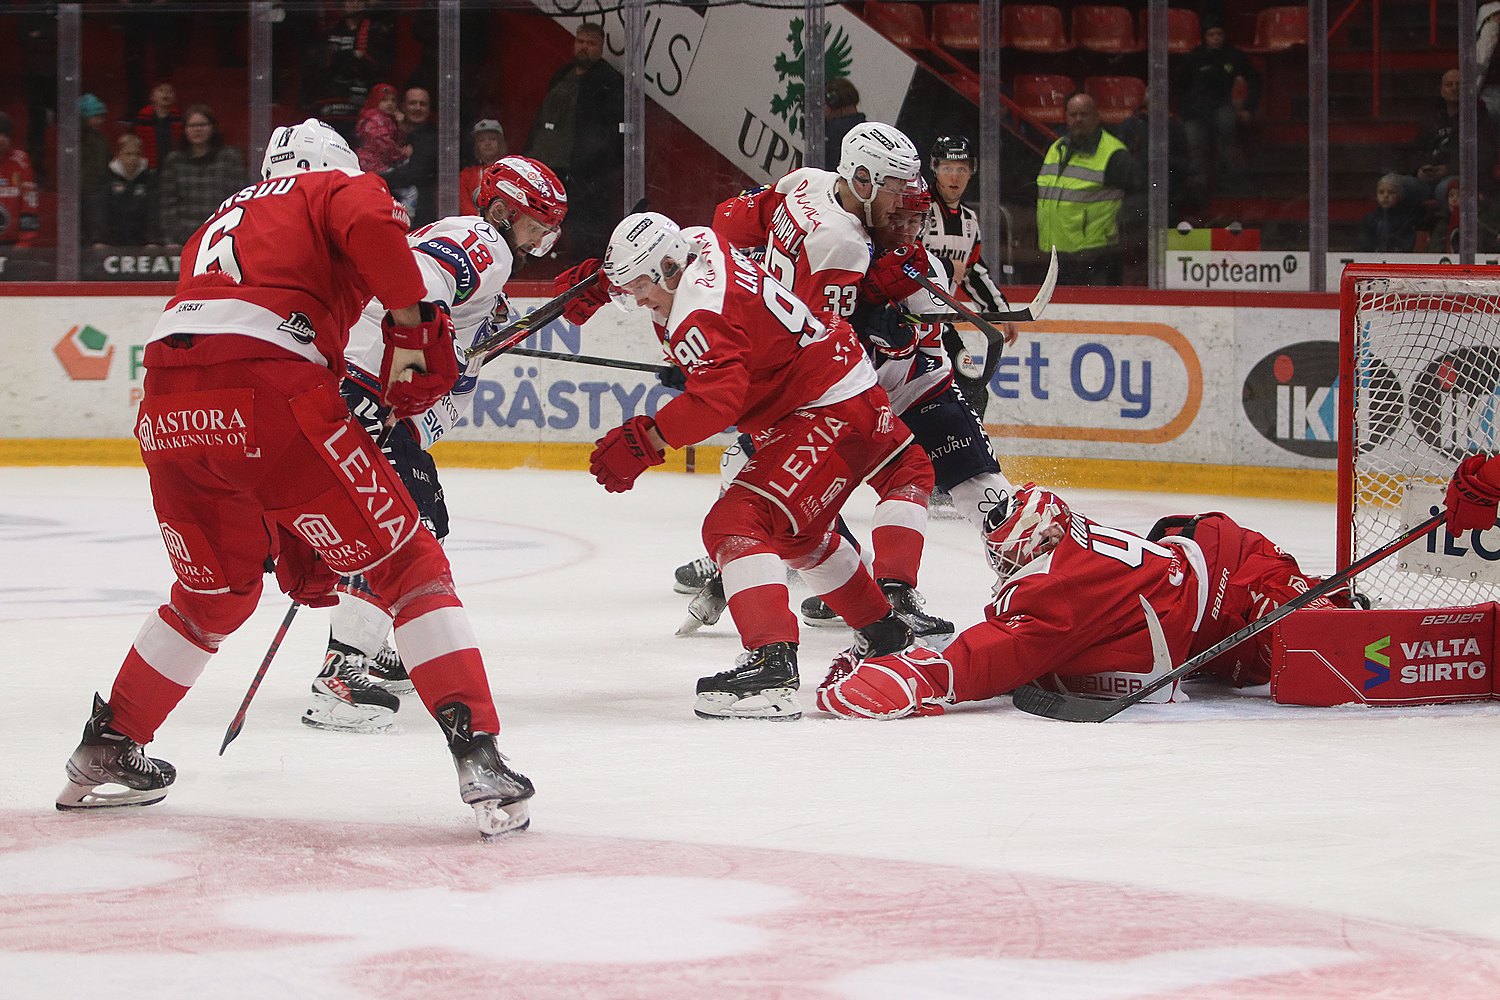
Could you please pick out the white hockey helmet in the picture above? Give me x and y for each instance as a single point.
(641, 245)
(312, 145)
(881, 150)
(1018, 532)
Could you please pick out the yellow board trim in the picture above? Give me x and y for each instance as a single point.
(1078, 473)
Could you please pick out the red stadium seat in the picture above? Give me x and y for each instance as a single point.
(1117, 96)
(1043, 96)
(1279, 28)
(956, 26)
(902, 23)
(1104, 29)
(1032, 28)
(1183, 31)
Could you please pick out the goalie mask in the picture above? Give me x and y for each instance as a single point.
(312, 145)
(1029, 526)
(527, 187)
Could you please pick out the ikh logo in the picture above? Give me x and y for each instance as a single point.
(1455, 402)
(85, 354)
(1291, 398)
(1378, 663)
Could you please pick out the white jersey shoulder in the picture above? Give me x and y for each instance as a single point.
(465, 264)
(704, 280)
(832, 239)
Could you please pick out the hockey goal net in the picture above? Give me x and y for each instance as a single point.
(1419, 374)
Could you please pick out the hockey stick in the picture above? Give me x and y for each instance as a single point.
(238, 722)
(1072, 708)
(587, 359)
(985, 321)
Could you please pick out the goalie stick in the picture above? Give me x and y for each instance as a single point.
(1073, 708)
(238, 722)
(986, 320)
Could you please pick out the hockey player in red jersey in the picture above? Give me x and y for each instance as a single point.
(1094, 609)
(814, 227)
(20, 222)
(756, 356)
(253, 456)
(465, 262)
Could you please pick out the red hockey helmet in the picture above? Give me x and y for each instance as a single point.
(529, 187)
(1030, 525)
(909, 217)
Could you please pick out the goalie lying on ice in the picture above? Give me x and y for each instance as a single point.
(1068, 611)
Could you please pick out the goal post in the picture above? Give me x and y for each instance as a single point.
(1419, 388)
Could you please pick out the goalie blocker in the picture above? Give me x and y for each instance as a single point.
(1396, 657)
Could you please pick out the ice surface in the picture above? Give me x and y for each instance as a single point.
(1227, 847)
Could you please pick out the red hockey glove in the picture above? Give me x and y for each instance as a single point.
(623, 454)
(916, 681)
(433, 336)
(1472, 502)
(892, 275)
(301, 573)
(588, 302)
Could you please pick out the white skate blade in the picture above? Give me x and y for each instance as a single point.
(76, 796)
(689, 625)
(680, 589)
(496, 820)
(823, 622)
(772, 705)
(340, 717)
(937, 641)
(395, 687)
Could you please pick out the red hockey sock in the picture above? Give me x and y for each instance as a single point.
(755, 587)
(160, 667)
(437, 644)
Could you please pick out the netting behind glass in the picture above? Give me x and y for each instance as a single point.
(1426, 370)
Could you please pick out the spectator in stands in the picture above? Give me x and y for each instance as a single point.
(20, 222)
(355, 53)
(1435, 151)
(1392, 226)
(840, 114)
(196, 177)
(487, 144)
(159, 124)
(1083, 181)
(37, 33)
(1187, 192)
(381, 144)
(576, 132)
(421, 166)
(1209, 113)
(130, 197)
(93, 168)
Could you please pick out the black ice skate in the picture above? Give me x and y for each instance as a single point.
(762, 685)
(930, 630)
(346, 699)
(107, 756)
(386, 669)
(694, 576)
(706, 607)
(498, 794)
(819, 615)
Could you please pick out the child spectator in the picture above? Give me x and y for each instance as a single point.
(380, 144)
(1393, 225)
(130, 207)
(159, 125)
(1445, 232)
(195, 178)
(487, 146)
